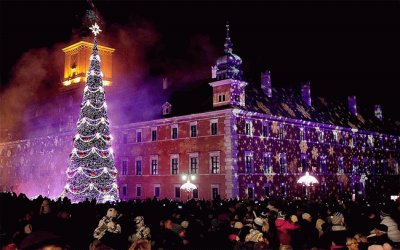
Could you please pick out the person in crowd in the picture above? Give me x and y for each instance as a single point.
(284, 229)
(393, 231)
(169, 239)
(338, 233)
(362, 241)
(351, 244)
(309, 233)
(108, 230)
(142, 233)
(379, 237)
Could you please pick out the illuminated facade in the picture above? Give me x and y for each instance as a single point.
(240, 139)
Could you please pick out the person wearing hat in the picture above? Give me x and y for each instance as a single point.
(393, 231)
(108, 231)
(142, 232)
(309, 234)
(379, 236)
(338, 233)
(284, 229)
(255, 235)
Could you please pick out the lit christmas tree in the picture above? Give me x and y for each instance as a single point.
(92, 173)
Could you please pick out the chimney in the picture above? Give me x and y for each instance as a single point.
(378, 112)
(352, 104)
(164, 83)
(306, 93)
(214, 71)
(266, 83)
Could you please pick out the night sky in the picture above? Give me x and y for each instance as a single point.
(342, 47)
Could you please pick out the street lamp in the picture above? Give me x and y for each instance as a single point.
(188, 187)
(307, 180)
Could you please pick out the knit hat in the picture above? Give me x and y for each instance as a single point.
(238, 225)
(384, 212)
(185, 224)
(258, 221)
(337, 218)
(281, 215)
(306, 216)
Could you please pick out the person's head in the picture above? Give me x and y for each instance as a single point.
(112, 213)
(168, 224)
(381, 229)
(306, 217)
(352, 244)
(139, 221)
(45, 207)
(361, 238)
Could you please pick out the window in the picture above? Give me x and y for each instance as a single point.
(302, 136)
(193, 159)
(321, 136)
(153, 134)
(195, 193)
(340, 165)
(177, 191)
(154, 165)
(248, 158)
(138, 190)
(174, 164)
(265, 129)
(335, 136)
(248, 128)
(214, 127)
(304, 165)
(282, 163)
(221, 98)
(139, 135)
(384, 166)
(283, 189)
(355, 165)
(124, 167)
(124, 190)
(193, 129)
(214, 191)
(138, 166)
(281, 132)
(174, 131)
(322, 163)
(157, 190)
(167, 108)
(250, 192)
(124, 138)
(266, 190)
(371, 166)
(267, 163)
(214, 163)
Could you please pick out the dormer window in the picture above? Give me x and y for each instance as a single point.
(167, 108)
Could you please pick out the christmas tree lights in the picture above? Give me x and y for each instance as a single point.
(92, 173)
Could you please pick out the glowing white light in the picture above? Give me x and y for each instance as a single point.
(95, 29)
(91, 186)
(115, 185)
(105, 105)
(86, 88)
(192, 177)
(67, 186)
(101, 89)
(101, 74)
(105, 170)
(184, 177)
(77, 136)
(84, 119)
(74, 150)
(80, 170)
(111, 151)
(87, 103)
(103, 120)
(307, 179)
(98, 135)
(93, 150)
(188, 186)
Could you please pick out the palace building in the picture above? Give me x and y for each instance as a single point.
(239, 139)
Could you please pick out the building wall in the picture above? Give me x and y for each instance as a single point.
(203, 144)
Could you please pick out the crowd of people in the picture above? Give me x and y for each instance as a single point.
(276, 223)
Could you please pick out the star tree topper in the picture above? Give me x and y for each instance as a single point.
(95, 29)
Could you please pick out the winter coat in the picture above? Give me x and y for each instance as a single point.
(393, 230)
(284, 229)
